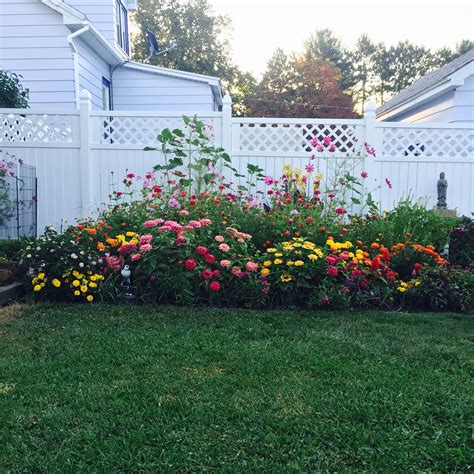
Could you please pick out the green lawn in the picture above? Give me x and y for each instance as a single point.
(109, 388)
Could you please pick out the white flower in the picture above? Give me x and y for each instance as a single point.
(82, 252)
(28, 256)
(81, 265)
(74, 256)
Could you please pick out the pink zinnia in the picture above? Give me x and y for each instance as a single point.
(200, 250)
(219, 238)
(136, 256)
(251, 266)
(206, 274)
(149, 224)
(127, 247)
(332, 271)
(215, 286)
(268, 180)
(146, 239)
(180, 240)
(225, 263)
(145, 248)
(210, 259)
(205, 222)
(236, 271)
(224, 247)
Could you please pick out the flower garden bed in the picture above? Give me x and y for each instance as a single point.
(187, 235)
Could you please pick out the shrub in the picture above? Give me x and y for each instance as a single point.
(461, 243)
(12, 94)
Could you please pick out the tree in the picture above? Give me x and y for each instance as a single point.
(363, 70)
(301, 86)
(325, 46)
(12, 93)
(446, 55)
(202, 45)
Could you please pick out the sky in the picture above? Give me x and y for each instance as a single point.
(261, 26)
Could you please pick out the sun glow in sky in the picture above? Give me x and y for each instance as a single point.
(261, 26)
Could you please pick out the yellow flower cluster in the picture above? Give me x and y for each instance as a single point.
(404, 286)
(39, 282)
(83, 283)
(133, 236)
(295, 253)
(334, 246)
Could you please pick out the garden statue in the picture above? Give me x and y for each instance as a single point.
(127, 290)
(442, 187)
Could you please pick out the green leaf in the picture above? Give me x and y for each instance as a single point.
(150, 148)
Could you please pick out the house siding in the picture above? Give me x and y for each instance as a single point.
(92, 68)
(464, 100)
(102, 14)
(33, 43)
(140, 90)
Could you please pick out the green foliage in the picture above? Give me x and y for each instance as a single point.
(190, 390)
(461, 243)
(12, 93)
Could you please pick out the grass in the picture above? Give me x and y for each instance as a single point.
(110, 388)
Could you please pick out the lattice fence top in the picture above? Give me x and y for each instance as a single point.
(37, 128)
(427, 142)
(296, 137)
(139, 131)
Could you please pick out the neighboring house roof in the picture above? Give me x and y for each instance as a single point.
(75, 20)
(447, 77)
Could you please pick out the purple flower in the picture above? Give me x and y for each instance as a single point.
(309, 168)
(370, 150)
(174, 203)
(364, 174)
(268, 180)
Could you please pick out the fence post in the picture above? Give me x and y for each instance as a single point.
(86, 170)
(372, 140)
(227, 124)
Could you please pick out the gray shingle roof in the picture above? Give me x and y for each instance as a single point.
(427, 82)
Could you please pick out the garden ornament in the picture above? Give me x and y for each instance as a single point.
(442, 187)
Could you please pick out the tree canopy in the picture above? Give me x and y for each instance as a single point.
(12, 93)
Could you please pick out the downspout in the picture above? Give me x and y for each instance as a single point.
(75, 58)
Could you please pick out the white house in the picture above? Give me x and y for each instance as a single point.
(63, 46)
(445, 95)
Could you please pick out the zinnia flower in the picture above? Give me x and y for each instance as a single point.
(210, 259)
(251, 266)
(145, 248)
(206, 274)
(224, 247)
(219, 238)
(200, 250)
(225, 263)
(340, 211)
(332, 271)
(135, 257)
(190, 264)
(215, 286)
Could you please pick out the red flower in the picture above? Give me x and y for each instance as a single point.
(375, 264)
(309, 220)
(215, 286)
(286, 234)
(331, 195)
(331, 260)
(200, 250)
(206, 274)
(332, 271)
(340, 211)
(215, 273)
(210, 259)
(190, 264)
(385, 254)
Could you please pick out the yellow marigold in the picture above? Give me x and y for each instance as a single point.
(309, 246)
(286, 278)
(84, 288)
(271, 250)
(37, 288)
(56, 283)
(34, 281)
(121, 238)
(290, 263)
(278, 255)
(100, 246)
(92, 285)
(130, 234)
(76, 283)
(319, 176)
(77, 293)
(40, 276)
(267, 263)
(134, 241)
(401, 289)
(297, 244)
(112, 242)
(311, 256)
(265, 272)
(90, 298)
(278, 261)
(417, 283)
(93, 278)
(299, 263)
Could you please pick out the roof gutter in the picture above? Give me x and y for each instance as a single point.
(75, 58)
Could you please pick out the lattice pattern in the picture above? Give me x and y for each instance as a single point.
(36, 128)
(296, 137)
(427, 142)
(140, 131)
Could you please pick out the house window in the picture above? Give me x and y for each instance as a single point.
(122, 26)
(106, 99)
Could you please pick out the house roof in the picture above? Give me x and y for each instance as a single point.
(427, 86)
(75, 20)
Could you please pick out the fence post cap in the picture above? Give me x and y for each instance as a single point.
(227, 100)
(370, 108)
(85, 95)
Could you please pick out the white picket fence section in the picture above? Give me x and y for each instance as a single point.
(80, 155)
